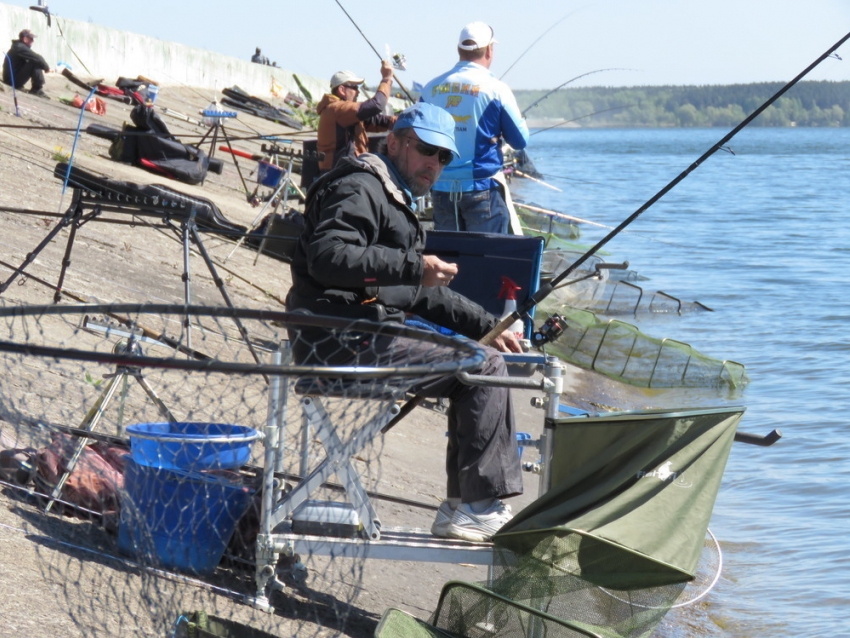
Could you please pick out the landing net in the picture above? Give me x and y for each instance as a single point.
(147, 449)
(621, 351)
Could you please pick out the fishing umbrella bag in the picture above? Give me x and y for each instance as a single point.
(150, 145)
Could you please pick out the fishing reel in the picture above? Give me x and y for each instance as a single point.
(553, 328)
(399, 62)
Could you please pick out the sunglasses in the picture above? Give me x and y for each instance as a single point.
(356, 87)
(444, 156)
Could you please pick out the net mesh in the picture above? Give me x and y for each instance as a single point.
(609, 289)
(621, 351)
(547, 224)
(546, 592)
(142, 437)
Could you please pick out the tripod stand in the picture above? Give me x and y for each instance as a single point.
(120, 377)
(103, 196)
(215, 119)
(282, 186)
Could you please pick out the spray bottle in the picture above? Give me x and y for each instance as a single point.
(508, 293)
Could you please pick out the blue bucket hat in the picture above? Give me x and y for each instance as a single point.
(432, 124)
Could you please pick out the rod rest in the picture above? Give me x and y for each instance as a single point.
(297, 155)
(135, 197)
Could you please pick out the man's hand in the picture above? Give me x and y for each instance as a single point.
(507, 342)
(386, 70)
(437, 272)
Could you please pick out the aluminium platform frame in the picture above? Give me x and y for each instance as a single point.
(276, 538)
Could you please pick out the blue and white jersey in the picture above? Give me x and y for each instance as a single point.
(484, 109)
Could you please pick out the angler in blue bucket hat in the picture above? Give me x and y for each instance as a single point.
(420, 146)
(432, 125)
(361, 256)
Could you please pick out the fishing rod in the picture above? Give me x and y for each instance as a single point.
(534, 179)
(546, 289)
(406, 92)
(540, 37)
(560, 86)
(8, 61)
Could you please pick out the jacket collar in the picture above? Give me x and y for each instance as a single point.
(391, 181)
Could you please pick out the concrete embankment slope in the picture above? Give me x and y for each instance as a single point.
(95, 51)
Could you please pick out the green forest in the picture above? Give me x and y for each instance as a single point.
(805, 104)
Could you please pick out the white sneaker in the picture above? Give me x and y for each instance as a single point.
(441, 524)
(478, 526)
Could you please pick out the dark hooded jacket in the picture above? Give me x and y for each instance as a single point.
(360, 254)
(20, 55)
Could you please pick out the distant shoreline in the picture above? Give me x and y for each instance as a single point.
(814, 103)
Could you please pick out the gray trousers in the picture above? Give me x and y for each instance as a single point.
(482, 458)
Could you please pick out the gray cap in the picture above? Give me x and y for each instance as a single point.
(345, 77)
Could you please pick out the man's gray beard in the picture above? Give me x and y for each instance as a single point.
(416, 191)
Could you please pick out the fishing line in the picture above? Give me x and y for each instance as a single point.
(554, 213)
(574, 180)
(380, 57)
(39, 127)
(614, 108)
(540, 38)
(546, 289)
(560, 86)
(198, 92)
(68, 44)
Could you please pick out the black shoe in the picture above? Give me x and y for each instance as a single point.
(39, 93)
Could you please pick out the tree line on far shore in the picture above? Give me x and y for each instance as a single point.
(817, 103)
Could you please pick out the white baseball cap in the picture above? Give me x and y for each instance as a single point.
(478, 33)
(345, 77)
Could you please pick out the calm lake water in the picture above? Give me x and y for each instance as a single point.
(761, 236)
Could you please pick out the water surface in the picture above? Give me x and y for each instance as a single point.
(759, 234)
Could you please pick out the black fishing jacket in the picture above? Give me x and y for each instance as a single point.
(360, 254)
(20, 55)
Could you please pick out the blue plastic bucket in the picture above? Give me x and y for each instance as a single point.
(268, 174)
(177, 519)
(191, 446)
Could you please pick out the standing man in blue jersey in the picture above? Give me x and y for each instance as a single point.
(467, 197)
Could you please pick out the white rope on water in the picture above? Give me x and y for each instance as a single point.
(690, 601)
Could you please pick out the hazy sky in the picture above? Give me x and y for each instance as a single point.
(659, 41)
